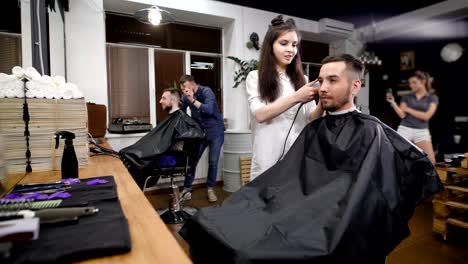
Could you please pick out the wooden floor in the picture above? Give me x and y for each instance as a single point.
(422, 246)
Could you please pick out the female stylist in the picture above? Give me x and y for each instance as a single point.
(415, 110)
(275, 93)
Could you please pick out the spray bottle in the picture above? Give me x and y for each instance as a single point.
(69, 160)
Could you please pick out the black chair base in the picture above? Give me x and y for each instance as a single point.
(175, 217)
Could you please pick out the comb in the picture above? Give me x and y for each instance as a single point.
(25, 204)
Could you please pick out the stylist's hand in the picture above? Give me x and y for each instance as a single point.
(404, 108)
(188, 93)
(306, 93)
(390, 98)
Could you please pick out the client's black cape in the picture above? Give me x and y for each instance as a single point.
(344, 192)
(177, 127)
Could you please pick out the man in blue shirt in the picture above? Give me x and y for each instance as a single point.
(202, 103)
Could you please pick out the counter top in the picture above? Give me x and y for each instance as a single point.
(152, 241)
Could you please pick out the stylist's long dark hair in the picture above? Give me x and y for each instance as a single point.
(267, 73)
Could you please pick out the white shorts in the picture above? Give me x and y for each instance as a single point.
(414, 135)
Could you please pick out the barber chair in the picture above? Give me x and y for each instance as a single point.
(178, 161)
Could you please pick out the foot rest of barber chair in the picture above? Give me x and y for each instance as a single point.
(174, 217)
(175, 213)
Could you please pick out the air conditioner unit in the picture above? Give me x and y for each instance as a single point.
(335, 28)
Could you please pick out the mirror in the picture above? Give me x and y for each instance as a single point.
(16, 50)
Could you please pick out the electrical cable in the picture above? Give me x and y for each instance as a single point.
(100, 150)
(41, 60)
(289, 131)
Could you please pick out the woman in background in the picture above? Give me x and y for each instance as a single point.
(415, 110)
(275, 93)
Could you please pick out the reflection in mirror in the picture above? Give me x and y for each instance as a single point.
(10, 56)
(15, 50)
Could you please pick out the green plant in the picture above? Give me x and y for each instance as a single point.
(245, 67)
(168, 84)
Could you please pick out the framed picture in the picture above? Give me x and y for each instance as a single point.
(406, 60)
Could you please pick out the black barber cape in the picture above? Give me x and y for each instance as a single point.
(343, 193)
(178, 126)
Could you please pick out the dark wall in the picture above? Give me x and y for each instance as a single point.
(311, 51)
(10, 17)
(126, 29)
(449, 82)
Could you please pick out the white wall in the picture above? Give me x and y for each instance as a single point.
(26, 49)
(56, 39)
(362, 99)
(86, 49)
(56, 43)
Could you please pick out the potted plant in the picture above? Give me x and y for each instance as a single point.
(245, 67)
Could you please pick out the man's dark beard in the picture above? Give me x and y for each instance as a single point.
(341, 101)
(167, 108)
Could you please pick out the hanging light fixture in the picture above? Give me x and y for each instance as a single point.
(154, 16)
(369, 58)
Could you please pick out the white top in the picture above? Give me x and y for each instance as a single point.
(342, 112)
(173, 110)
(268, 137)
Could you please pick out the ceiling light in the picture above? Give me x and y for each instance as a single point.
(154, 16)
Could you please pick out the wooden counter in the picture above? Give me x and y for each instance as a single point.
(152, 241)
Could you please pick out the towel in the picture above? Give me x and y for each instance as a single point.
(58, 80)
(76, 92)
(32, 74)
(11, 88)
(38, 86)
(18, 72)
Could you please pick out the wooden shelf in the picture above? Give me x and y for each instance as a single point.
(451, 204)
(457, 222)
(449, 175)
(457, 188)
(455, 204)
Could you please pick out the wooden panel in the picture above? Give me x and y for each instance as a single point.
(439, 225)
(440, 209)
(442, 176)
(169, 66)
(245, 166)
(151, 240)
